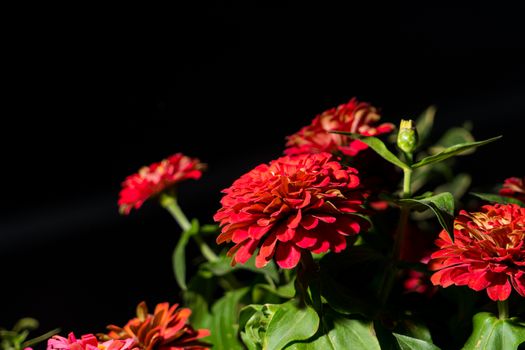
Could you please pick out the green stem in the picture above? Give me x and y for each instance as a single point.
(391, 271)
(170, 203)
(503, 309)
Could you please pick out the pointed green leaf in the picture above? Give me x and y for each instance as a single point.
(495, 198)
(179, 254)
(453, 136)
(424, 124)
(491, 333)
(339, 332)
(290, 323)
(441, 204)
(224, 323)
(452, 151)
(408, 343)
(378, 146)
(33, 341)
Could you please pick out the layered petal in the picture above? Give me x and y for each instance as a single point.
(488, 252)
(295, 203)
(353, 116)
(166, 329)
(156, 178)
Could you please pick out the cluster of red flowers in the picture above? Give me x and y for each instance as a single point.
(488, 252)
(156, 178)
(353, 116)
(165, 329)
(296, 203)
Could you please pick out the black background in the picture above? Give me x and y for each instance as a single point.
(93, 93)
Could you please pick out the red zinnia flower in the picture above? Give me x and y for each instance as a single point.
(354, 116)
(88, 342)
(294, 203)
(514, 187)
(166, 329)
(156, 178)
(488, 252)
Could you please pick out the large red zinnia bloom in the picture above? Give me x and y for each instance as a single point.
(353, 116)
(294, 203)
(156, 178)
(165, 329)
(488, 252)
(514, 187)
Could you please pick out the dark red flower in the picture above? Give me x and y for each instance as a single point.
(156, 178)
(514, 187)
(294, 203)
(353, 116)
(488, 252)
(166, 329)
(419, 282)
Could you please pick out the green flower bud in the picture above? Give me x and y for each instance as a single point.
(407, 138)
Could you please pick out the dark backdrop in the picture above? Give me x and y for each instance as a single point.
(93, 93)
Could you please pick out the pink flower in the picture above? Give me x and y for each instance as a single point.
(156, 178)
(88, 342)
(488, 252)
(353, 116)
(293, 204)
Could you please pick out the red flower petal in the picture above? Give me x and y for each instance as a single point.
(287, 255)
(499, 291)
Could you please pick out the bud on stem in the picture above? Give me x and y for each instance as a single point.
(407, 138)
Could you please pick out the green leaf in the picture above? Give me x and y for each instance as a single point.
(495, 198)
(223, 266)
(413, 328)
(491, 332)
(25, 323)
(453, 136)
(264, 293)
(179, 254)
(341, 277)
(408, 343)
(452, 151)
(253, 322)
(290, 323)
(200, 292)
(458, 186)
(424, 124)
(339, 332)
(224, 322)
(441, 204)
(378, 146)
(40, 338)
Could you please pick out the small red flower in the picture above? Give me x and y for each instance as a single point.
(295, 203)
(156, 178)
(488, 252)
(88, 342)
(353, 116)
(514, 187)
(166, 329)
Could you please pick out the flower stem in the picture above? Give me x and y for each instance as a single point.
(169, 202)
(503, 309)
(391, 270)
